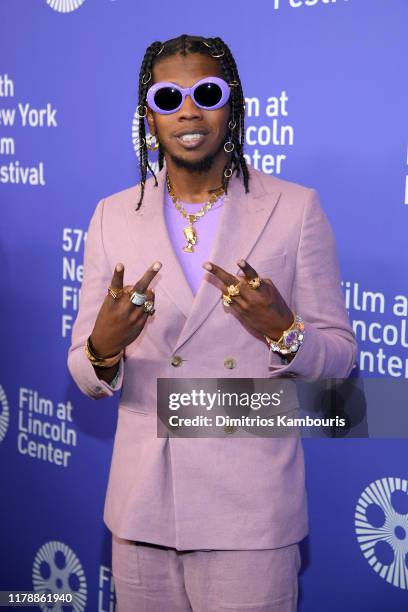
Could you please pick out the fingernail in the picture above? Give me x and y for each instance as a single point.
(242, 263)
(207, 266)
(119, 267)
(157, 266)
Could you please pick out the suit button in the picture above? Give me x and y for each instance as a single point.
(230, 363)
(229, 428)
(176, 361)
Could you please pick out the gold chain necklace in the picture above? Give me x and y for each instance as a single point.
(190, 232)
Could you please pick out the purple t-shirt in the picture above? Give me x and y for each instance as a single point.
(205, 227)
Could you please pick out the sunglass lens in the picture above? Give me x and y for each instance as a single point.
(208, 94)
(167, 98)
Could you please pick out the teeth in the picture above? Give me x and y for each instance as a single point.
(188, 137)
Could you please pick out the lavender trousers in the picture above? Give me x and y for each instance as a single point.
(153, 578)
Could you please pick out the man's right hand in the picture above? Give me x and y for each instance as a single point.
(119, 321)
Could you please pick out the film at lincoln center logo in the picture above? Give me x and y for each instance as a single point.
(381, 523)
(4, 414)
(65, 6)
(57, 569)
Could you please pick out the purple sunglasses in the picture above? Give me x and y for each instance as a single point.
(209, 93)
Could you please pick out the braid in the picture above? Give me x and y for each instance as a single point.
(213, 47)
(146, 68)
(236, 123)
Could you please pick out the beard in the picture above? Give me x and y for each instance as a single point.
(198, 166)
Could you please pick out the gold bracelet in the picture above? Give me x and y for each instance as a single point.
(284, 332)
(291, 339)
(101, 362)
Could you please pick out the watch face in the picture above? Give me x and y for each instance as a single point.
(290, 337)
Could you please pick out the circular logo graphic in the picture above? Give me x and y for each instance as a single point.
(136, 143)
(56, 569)
(65, 6)
(4, 414)
(381, 522)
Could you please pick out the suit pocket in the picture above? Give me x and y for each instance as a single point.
(125, 561)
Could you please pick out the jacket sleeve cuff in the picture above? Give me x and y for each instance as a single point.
(322, 354)
(88, 381)
(300, 364)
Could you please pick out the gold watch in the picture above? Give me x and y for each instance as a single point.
(291, 340)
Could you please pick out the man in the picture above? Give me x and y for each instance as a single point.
(248, 288)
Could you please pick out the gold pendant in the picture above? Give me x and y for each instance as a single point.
(191, 237)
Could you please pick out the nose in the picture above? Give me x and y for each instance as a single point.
(189, 109)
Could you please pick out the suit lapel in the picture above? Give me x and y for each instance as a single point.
(149, 232)
(241, 222)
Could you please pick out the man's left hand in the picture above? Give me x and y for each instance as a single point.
(263, 309)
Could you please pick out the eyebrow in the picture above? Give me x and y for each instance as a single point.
(174, 81)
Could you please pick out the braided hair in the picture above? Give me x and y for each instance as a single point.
(214, 47)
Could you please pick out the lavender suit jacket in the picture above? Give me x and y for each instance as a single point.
(228, 493)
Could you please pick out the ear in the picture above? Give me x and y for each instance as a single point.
(151, 122)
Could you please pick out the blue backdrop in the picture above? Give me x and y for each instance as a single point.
(325, 83)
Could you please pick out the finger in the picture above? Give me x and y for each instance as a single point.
(142, 284)
(225, 277)
(150, 295)
(248, 270)
(138, 312)
(117, 278)
(238, 304)
(268, 281)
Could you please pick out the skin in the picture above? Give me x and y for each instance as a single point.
(190, 183)
(193, 174)
(263, 309)
(119, 321)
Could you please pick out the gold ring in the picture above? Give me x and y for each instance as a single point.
(148, 307)
(226, 300)
(254, 283)
(233, 290)
(115, 293)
